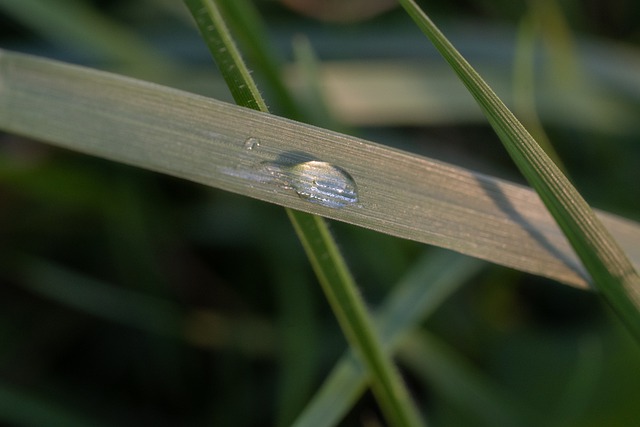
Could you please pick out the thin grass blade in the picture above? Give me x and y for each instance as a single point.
(456, 379)
(240, 15)
(321, 249)
(432, 279)
(613, 274)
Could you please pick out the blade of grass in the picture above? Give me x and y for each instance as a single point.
(115, 304)
(561, 46)
(348, 306)
(202, 140)
(431, 280)
(227, 57)
(456, 379)
(135, 309)
(75, 23)
(377, 92)
(330, 268)
(300, 343)
(18, 407)
(613, 274)
(241, 15)
(310, 77)
(524, 84)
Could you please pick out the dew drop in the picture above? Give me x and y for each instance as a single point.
(322, 183)
(251, 143)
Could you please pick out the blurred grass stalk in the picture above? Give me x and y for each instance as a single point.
(432, 279)
(76, 23)
(524, 82)
(612, 272)
(331, 269)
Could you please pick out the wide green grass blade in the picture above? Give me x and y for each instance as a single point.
(613, 274)
(322, 251)
(432, 279)
(202, 140)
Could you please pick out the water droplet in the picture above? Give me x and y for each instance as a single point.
(251, 143)
(322, 183)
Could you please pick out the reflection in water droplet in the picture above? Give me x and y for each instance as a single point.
(251, 143)
(322, 183)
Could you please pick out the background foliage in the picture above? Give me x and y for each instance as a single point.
(128, 297)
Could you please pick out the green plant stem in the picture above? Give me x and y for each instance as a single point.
(431, 280)
(328, 264)
(226, 55)
(612, 273)
(341, 291)
(242, 14)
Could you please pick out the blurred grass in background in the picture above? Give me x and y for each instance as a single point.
(128, 297)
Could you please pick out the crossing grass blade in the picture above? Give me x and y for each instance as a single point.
(613, 274)
(431, 280)
(322, 251)
(241, 16)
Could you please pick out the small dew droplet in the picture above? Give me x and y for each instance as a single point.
(251, 143)
(323, 183)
